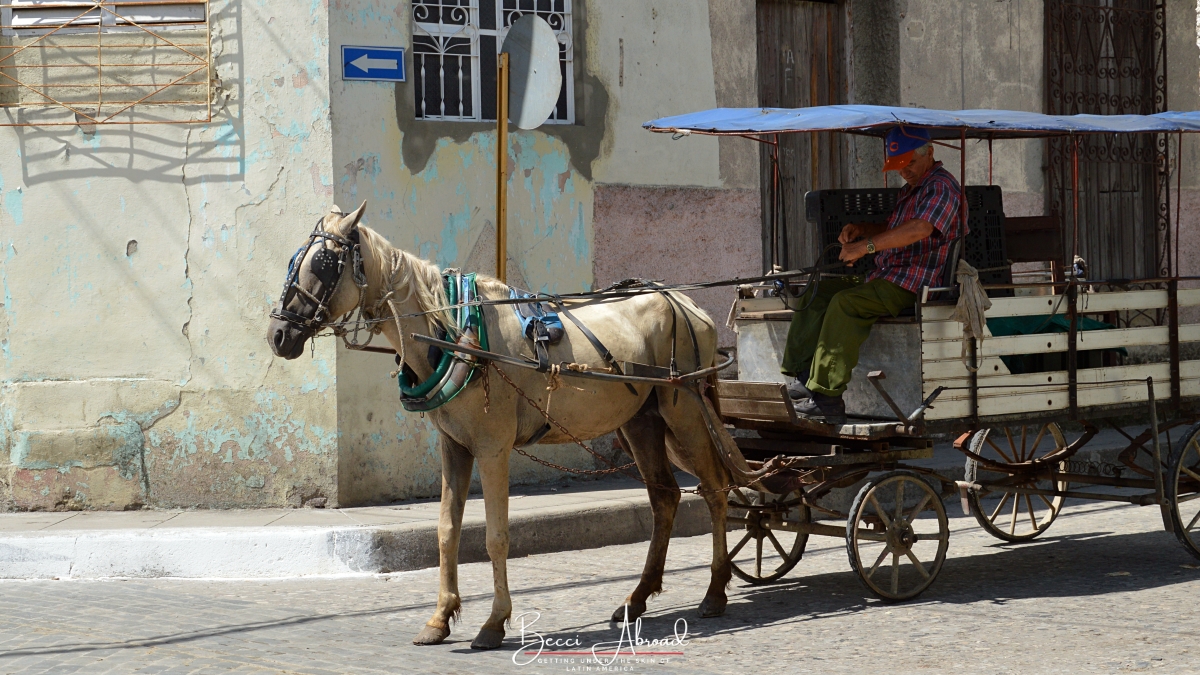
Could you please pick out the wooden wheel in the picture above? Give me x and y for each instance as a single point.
(1183, 490)
(764, 527)
(897, 535)
(1026, 449)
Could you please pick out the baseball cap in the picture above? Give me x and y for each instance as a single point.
(900, 143)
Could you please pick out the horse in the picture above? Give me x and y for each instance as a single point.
(346, 266)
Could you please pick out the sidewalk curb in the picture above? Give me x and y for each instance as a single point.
(275, 552)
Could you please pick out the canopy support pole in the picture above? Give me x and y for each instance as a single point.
(962, 215)
(1073, 290)
(776, 205)
(1175, 271)
(990, 181)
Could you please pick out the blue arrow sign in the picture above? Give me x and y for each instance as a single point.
(373, 63)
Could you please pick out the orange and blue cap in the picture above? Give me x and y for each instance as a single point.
(900, 142)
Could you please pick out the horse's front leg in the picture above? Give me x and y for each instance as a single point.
(456, 481)
(493, 474)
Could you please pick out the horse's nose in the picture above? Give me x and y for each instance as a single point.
(278, 340)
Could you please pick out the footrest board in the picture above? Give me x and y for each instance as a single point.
(766, 405)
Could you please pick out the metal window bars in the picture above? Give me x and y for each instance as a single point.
(455, 43)
(69, 62)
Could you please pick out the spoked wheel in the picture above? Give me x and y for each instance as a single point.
(762, 528)
(999, 452)
(1183, 490)
(897, 534)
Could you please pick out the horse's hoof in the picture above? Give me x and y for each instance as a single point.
(488, 638)
(630, 611)
(712, 607)
(432, 635)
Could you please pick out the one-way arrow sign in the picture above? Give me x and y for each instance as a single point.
(373, 63)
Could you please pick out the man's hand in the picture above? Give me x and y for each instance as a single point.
(851, 232)
(852, 251)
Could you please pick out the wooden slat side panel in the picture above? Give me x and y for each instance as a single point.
(1161, 372)
(1121, 300)
(947, 408)
(1044, 343)
(1045, 304)
(1032, 403)
(933, 371)
(1051, 401)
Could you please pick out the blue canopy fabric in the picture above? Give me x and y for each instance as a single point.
(872, 120)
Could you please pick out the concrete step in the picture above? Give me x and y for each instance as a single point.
(276, 543)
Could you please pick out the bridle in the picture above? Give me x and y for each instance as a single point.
(327, 267)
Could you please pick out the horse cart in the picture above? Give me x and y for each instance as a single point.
(1063, 355)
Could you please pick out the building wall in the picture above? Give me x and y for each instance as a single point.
(430, 188)
(687, 209)
(139, 264)
(1183, 93)
(979, 54)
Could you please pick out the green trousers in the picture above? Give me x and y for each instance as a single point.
(824, 337)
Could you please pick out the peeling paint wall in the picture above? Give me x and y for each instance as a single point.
(979, 54)
(1183, 93)
(139, 264)
(990, 54)
(430, 188)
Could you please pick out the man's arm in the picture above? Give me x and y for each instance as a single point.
(908, 232)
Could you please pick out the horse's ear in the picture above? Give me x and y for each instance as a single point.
(350, 221)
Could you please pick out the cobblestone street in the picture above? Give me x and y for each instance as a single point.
(1106, 590)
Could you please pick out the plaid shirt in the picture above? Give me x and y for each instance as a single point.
(935, 200)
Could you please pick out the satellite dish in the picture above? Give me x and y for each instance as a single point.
(534, 76)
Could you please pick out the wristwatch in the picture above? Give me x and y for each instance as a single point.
(870, 246)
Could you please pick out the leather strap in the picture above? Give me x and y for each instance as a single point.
(599, 346)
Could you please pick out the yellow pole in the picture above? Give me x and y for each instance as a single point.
(502, 168)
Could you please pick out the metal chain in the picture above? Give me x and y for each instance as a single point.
(551, 420)
(487, 391)
(615, 468)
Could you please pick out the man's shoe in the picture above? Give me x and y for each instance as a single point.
(822, 408)
(797, 391)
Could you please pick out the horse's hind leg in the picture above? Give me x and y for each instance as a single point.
(689, 441)
(645, 436)
(456, 481)
(493, 473)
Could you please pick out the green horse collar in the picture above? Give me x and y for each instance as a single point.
(453, 372)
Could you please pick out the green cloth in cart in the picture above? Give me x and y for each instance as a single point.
(1032, 325)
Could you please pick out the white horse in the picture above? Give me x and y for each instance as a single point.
(661, 428)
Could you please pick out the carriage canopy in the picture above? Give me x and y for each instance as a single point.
(873, 120)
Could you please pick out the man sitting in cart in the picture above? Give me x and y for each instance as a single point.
(825, 335)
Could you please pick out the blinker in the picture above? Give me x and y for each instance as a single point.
(324, 266)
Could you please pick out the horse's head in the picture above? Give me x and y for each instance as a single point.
(319, 287)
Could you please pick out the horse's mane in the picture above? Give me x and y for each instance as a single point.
(419, 279)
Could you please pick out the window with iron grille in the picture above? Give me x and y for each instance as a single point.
(455, 48)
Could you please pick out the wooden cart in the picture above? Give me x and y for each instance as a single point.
(1019, 406)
